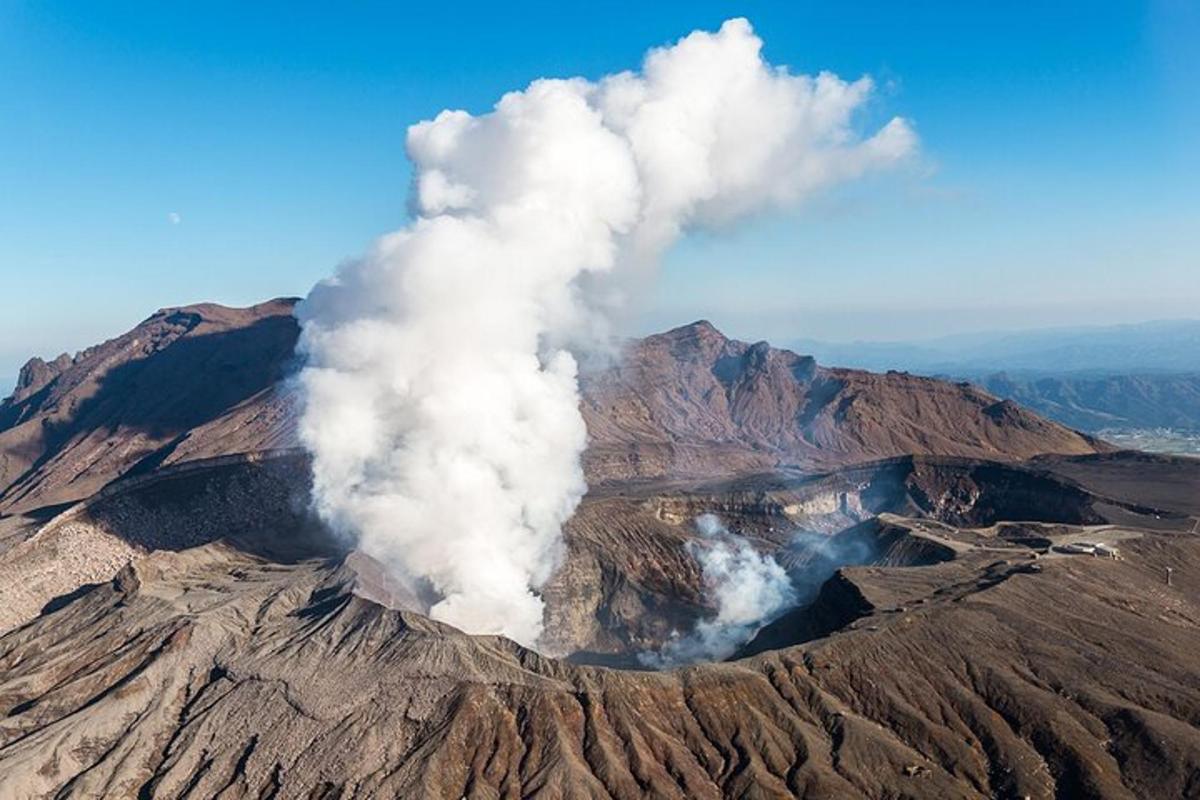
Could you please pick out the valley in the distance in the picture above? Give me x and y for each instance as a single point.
(1156, 440)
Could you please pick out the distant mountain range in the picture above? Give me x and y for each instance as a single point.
(1163, 346)
(1112, 378)
(1105, 402)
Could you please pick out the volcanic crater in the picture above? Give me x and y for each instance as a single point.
(175, 622)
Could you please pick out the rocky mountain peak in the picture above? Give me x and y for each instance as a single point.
(36, 374)
(198, 380)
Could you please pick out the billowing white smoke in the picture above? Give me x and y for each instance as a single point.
(748, 589)
(441, 401)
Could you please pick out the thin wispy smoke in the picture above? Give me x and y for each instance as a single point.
(441, 403)
(748, 589)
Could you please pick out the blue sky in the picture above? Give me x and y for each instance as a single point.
(1058, 182)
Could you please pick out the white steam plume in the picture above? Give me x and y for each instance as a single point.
(749, 590)
(441, 401)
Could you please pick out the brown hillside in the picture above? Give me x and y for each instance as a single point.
(690, 402)
(255, 665)
(206, 380)
(186, 383)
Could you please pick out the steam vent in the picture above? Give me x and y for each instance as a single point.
(910, 510)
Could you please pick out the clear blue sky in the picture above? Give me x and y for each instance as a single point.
(1058, 181)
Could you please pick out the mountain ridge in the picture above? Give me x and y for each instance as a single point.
(187, 627)
(758, 407)
(219, 384)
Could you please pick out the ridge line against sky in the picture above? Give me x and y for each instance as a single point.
(156, 156)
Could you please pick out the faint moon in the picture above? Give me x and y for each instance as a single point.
(174, 218)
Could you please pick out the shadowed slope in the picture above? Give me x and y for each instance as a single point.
(205, 380)
(188, 382)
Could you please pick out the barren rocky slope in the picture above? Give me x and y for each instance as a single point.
(205, 380)
(189, 631)
(267, 665)
(186, 383)
(692, 402)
